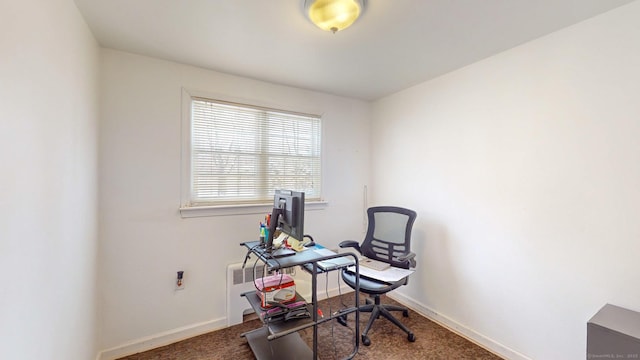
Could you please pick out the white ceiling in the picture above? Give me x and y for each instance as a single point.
(394, 45)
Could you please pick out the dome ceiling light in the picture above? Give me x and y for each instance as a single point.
(333, 15)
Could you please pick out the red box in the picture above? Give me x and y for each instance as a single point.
(275, 288)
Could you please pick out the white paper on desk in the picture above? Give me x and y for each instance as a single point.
(390, 274)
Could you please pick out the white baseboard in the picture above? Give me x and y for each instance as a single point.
(162, 339)
(179, 334)
(459, 329)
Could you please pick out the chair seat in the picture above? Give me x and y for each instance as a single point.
(371, 286)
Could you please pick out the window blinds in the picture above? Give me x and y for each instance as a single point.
(240, 154)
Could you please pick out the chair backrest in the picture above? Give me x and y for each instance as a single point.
(388, 234)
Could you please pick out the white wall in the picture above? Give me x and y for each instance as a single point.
(144, 241)
(48, 186)
(524, 170)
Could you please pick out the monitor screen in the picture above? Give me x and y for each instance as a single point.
(287, 215)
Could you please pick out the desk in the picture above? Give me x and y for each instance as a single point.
(269, 341)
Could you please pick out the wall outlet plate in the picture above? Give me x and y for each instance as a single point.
(180, 280)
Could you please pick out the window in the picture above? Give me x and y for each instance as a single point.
(239, 154)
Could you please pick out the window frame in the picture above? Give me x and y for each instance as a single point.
(186, 209)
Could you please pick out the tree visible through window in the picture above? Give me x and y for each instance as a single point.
(240, 153)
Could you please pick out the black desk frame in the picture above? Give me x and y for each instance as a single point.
(286, 335)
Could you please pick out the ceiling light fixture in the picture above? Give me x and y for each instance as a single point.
(333, 15)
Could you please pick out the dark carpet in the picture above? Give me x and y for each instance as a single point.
(334, 340)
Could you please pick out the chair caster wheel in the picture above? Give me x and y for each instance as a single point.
(365, 340)
(405, 313)
(342, 320)
(411, 337)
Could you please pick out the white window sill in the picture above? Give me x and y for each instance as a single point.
(226, 210)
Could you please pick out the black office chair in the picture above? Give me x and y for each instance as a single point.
(388, 239)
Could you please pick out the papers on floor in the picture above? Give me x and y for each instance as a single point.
(390, 274)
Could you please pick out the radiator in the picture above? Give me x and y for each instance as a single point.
(239, 281)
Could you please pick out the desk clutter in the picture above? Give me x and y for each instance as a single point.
(275, 289)
(285, 312)
(277, 295)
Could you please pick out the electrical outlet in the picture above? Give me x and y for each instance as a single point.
(180, 281)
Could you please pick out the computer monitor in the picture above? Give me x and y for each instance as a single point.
(287, 215)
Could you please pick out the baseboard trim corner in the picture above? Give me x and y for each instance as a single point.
(162, 339)
(467, 333)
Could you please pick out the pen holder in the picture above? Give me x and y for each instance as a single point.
(263, 231)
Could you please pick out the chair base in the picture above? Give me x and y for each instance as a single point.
(377, 309)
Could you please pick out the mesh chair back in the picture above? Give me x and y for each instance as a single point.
(388, 234)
